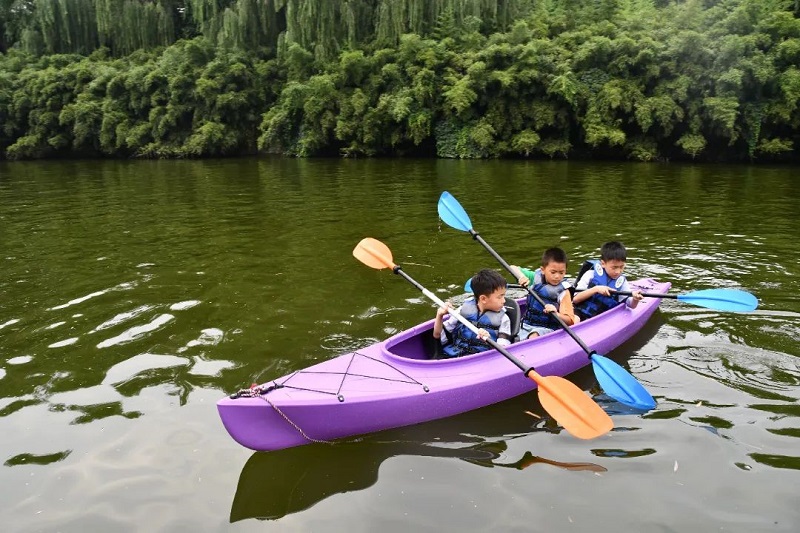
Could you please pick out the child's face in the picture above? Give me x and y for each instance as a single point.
(494, 301)
(554, 272)
(613, 267)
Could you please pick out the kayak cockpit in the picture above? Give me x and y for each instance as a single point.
(418, 343)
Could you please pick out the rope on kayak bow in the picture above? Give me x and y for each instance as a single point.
(254, 390)
(263, 390)
(291, 423)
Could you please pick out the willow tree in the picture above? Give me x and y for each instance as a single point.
(316, 25)
(127, 25)
(14, 18)
(326, 27)
(67, 25)
(393, 18)
(244, 24)
(81, 26)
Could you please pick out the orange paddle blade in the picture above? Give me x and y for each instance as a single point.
(571, 408)
(373, 253)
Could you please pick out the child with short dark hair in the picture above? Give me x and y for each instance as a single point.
(595, 291)
(485, 309)
(548, 283)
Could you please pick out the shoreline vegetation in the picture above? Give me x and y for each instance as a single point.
(642, 80)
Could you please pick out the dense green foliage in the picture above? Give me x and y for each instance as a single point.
(642, 79)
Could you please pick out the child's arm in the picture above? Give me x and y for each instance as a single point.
(524, 276)
(583, 293)
(504, 333)
(438, 324)
(565, 309)
(588, 293)
(633, 300)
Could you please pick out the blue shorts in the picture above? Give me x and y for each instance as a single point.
(526, 329)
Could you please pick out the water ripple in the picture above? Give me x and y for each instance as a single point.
(181, 306)
(33, 459)
(65, 342)
(79, 300)
(9, 323)
(20, 360)
(129, 368)
(137, 332)
(123, 317)
(208, 337)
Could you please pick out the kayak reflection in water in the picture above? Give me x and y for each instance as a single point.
(276, 484)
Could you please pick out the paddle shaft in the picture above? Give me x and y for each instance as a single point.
(526, 369)
(538, 298)
(647, 294)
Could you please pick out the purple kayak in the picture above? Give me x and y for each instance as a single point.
(393, 383)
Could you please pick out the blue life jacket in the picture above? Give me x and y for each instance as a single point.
(550, 294)
(599, 303)
(463, 341)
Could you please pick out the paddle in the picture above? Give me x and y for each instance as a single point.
(468, 286)
(717, 299)
(614, 380)
(565, 402)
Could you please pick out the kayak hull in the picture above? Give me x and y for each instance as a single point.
(392, 384)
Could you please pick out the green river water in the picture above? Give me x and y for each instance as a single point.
(134, 295)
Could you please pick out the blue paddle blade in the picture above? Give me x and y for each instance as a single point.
(721, 299)
(452, 214)
(620, 384)
(468, 286)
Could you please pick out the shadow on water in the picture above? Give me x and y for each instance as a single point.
(275, 484)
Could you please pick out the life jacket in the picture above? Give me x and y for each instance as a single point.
(550, 294)
(463, 341)
(599, 303)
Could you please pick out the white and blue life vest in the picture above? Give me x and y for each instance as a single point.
(463, 341)
(598, 302)
(550, 294)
